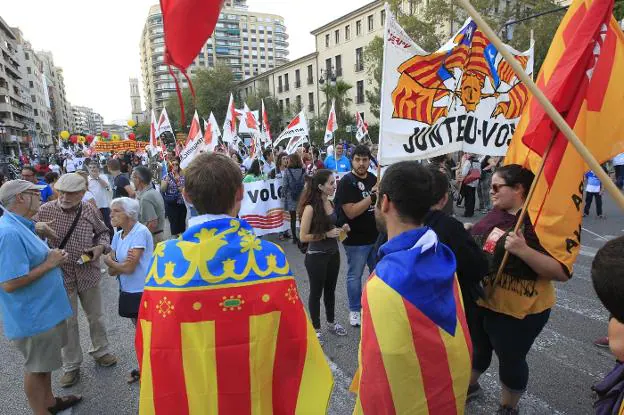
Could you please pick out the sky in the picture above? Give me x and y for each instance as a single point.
(97, 42)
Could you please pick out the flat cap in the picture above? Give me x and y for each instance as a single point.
(71, 182)
(15, 187)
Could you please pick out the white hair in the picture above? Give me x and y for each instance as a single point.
(129, 206)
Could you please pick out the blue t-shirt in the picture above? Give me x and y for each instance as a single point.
(342, 165)
(138, 237)
(593, 182)
(40, 305)
(46, 192)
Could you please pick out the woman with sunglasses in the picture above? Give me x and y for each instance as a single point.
(517, 303)
(171, 187)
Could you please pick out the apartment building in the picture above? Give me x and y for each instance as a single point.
(60, 107)
(16, 112)
(248, 42)
(87, 121)
(339, 55)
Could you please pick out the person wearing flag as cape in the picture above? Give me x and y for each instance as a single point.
(222, 329)
(415, 349)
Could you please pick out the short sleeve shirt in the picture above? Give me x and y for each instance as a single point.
(352, 189)
(152, 206)
(119, 186)
(40, 305)
(138, 237)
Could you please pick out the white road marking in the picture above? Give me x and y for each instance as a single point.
(583, 306)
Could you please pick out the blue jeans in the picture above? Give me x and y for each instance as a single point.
(357, 258)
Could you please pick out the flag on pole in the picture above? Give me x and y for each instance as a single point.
(164, 171)
(332, 124)
(581, 76)
(298, 127)
(229, 125)
(361, 126)
(153, 143)
(266, 127)
(163, 123)
(211, 134)
(193, 143)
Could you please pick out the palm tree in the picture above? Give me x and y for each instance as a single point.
(339, 93)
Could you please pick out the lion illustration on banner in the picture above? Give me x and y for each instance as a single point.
(464, 75)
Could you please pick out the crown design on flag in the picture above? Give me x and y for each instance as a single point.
(191, 260)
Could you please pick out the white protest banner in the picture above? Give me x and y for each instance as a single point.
(266, 128)
(332, 124)
(153, 146)
(295, 142)
(298, 127)
(163, 123)
(361, 126)
(463, 97)
(211, 133)
(263, 208)
(193, 144)
(79, 162)
(229, 125)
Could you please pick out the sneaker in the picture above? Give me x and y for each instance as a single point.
(107, 360)
(505, 410)
(69, 378)
(354, 319)
(337, 329)
(602, 342)
(474, 391)
(319, 336)
(602, 217)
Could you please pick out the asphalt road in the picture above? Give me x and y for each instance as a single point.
(563, 362)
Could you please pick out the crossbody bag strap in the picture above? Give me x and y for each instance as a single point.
(71, 228)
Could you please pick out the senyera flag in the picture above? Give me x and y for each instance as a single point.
(194, 143)
(163, 123)
(211, 134)
(266, 127)
(229, 125)
(332, 124)
(582, 77)
(298, 127)
(361, 126)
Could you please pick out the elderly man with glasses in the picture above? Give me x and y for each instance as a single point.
(33, 302)
(30, 175)
(85, 237)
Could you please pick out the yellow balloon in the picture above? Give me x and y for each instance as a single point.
(115, 137)
(64, 135)
(131, 123)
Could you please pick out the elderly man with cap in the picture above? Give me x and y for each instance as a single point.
(82, 233)
(33, 302)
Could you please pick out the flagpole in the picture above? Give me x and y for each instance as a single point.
(552, 112)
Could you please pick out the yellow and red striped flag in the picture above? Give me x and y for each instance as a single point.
(415, 352)
(582, 77)
(222, 329)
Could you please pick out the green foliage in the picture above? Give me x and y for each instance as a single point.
(618, 10)
(339, 93)
(373, 58)
(276, 118)
(142, 131)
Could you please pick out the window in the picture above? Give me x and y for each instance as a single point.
(26, 56)
(33, 99)
(371, 23)
(281, 105)
(31, 84)
(310, 77)
(286, 86)
(327, 40)
(298, 102)
(279, 83)
(347, 32)
(297, 79)
(311, 101)
(29, 70)
(36, 112)
(337, 36)
(338, 65)
(383, 17)
(359, 60)
(328, 66)
(359, 99)
(287, 104)
(358, 28)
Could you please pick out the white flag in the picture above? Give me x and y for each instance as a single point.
(211, 133)
(163, 123)
(362, 127)
(154, 148)
(229, 126)
(298, 127)
(193, 144)
(295, 143)
(332, 124)
(266, 128)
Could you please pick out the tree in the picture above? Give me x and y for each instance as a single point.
(618, 10)
(339, 94)
(276, 118)
(373, 57)
(142, 131)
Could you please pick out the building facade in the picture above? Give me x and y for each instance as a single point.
(339, 55)
(16, 112)
(135, 101)
(87, 121)
(248, 42)
(61, 111)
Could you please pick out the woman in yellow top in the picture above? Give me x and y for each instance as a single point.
(516, 305)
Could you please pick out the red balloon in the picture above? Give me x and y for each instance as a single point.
(73, 139)
(104, 134)
(132, 136)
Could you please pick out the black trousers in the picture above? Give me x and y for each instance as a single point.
(510, 338)
(177, 217)
(293, 225)
(589, 196)
(323, 271)
(619, 176)
(107, 221)
(470, 198)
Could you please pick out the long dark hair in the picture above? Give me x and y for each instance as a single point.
(515, 174)
(313, 196)
(254, 170)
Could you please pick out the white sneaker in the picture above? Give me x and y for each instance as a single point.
(354, 318)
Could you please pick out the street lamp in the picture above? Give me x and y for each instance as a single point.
(331, 77)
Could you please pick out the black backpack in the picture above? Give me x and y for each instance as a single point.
(297, 185)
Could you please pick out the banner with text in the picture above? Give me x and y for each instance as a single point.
(263, 208)
(463, 97)
(117, 146)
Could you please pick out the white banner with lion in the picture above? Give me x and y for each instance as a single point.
(463, 97)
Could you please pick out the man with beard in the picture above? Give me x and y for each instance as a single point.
(355, 204)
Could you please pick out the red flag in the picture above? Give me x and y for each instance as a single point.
(187, 25)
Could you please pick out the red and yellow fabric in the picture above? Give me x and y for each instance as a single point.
(222, 329)
(582, 77)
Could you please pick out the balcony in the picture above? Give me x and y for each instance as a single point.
(310, 81)
(286, 88)
(359, 66)
(156, 33)
(310, 107)
(222, 50)
(280, 89)
(281, 43)
(339, 71)
(297, 84)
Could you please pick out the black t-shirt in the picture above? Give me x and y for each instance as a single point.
(352, 189)
(119, 186)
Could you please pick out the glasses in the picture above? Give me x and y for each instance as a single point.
(497, 187)
(28, 175)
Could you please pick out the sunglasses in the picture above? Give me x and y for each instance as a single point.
(497, 187)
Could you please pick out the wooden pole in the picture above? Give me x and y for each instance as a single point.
(563, 126)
